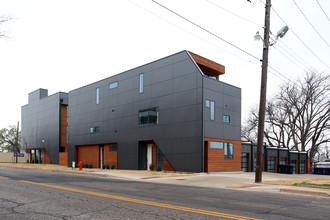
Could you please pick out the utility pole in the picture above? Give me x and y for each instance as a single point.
(263, 89)
(16, 141)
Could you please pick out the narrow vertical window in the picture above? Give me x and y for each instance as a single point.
(229, 151)
(97, 96)
(141, 83)
(211, 110)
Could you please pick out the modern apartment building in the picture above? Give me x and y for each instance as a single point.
(44, 124)
(173, 113)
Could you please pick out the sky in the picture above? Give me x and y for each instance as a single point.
(61, 45)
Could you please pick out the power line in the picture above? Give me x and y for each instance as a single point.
(310, 50)
(310, 23)
(323, 10)
(189, 32)
(226, 42)
(248, 20)
(292, 51)
(243, 18)
(191, 22)
(287, 57)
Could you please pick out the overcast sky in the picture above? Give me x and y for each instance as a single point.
(61, 45)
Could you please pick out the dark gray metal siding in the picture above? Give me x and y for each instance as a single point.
(41, 121)
(174, 84)
(227, 100)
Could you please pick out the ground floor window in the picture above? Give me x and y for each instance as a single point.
(254, 162)
(244, 162)
(229, 151)
(159, 159)
(293, 163)
(302, 167)
(282, 161)
(271, 164)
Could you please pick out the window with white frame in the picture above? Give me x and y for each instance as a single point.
(141, 83)
(97, 96)
(210, 104)
(229, 151)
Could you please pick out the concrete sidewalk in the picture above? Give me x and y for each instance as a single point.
(272, 182)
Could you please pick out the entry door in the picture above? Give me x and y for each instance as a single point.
(149, 156)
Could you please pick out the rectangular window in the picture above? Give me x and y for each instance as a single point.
(97, 96)
(244, 162)
(211, 110)
(271, 164)
(229, 151)
(302, 167)
(95, 129)
(226, 118)
(216, 145)
(282, 161)
(113, 85)
(159, 159)
(149, 116)
(113, 148)
(141, 83)
(207, 103)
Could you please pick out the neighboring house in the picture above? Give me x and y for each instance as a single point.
(173, 113)
(44, 127)
(274, 159)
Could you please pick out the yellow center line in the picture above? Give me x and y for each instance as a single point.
(163, 205)
(2, 177)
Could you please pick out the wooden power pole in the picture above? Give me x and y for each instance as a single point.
(263, 89)
(17, 142)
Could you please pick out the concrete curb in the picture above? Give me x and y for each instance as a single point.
(304, 192)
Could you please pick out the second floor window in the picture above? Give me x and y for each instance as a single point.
(97, 96)
(141, 83)
(210, 104)
(149, 116)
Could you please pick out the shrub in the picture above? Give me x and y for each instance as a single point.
(106, 166)
(37, 161)
(113, 166)
(159, 168)
(90, 166)
(32, 161)
(151, 166)
(27, 161)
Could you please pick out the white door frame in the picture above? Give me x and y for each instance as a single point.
(149, 156)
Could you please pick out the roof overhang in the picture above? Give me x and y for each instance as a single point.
(207, 66)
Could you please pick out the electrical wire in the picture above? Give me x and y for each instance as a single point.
(271, 67)
(189, 32)
(323, 10)
(200, 27)
(295, 55)
(310, 50)
(310, 23)
(248, 20)
(252, 22)
(288, 58)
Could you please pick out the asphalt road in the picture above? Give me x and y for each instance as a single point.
(33, 194)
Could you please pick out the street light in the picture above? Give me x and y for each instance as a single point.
(263, 89)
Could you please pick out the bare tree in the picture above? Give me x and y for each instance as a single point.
(3, 20)
(298, 117)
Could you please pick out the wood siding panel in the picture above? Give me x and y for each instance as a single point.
(64, 126)
(46, 158)
(63, 158)
(216, 159)
(89, 154)
(166, 165)
(110, 157)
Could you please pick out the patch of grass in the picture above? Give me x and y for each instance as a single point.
(311, 185)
